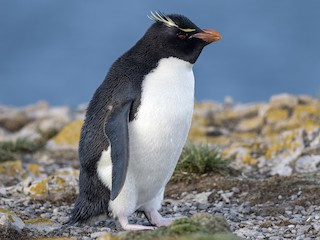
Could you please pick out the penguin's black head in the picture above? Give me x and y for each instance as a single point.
(176, 36)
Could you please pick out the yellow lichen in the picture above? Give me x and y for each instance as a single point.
(108, 236)
(248, 159)
(275, 115)
(238, 152)
(56, 238)
(200, 119)
(217, 140)
(39, 221)
(251, 124)
(11, 168)
(284, 144)
(34, 168)
(197, 131)
(304, 111)
(243, 135)
(3, 210)
(60, 182)
(40, 187)
(10, 218)
(70, 134)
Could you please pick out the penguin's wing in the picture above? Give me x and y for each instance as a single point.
(116, 128)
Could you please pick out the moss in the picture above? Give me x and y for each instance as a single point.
(39, 221)
(211, 223)
(26, 146)
(206, 236)
(201, 159)
(10, 150)
(200, 226)
(70, 134)
(184, 226)
(7, 155)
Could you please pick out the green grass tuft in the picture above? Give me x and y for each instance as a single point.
(202, 159)
(48, 134)
(10, 150)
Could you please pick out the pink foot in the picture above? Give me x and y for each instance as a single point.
(132, 227)
(156, 219)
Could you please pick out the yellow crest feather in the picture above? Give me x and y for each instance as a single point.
(159, 17)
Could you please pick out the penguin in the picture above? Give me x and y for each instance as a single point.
(137, 123)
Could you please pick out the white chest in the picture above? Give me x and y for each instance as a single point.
(158, 134)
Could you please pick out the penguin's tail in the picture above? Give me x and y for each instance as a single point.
(85, 210)
(92, 201)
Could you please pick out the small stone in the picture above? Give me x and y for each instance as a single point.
(235, 190)
(10, 221)
(202, 197)
(307, 164)
(202, 206)
(226, 196)
(45, 215)
(3, 192)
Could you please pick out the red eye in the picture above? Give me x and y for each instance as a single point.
(181, 36)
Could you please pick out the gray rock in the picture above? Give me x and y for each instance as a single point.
(282, 164)
(11, 221)
(3, 192)
(308, 164)
(283, 100)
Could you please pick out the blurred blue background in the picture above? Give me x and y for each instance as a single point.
(60, 51)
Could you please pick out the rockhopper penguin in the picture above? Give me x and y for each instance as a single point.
(137, 124)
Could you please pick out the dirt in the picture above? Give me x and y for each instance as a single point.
(275, 192)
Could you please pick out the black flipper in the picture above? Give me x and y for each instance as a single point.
(117, 131)
(94, 196)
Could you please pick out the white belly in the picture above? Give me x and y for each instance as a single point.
(157, 135)
(160, 131)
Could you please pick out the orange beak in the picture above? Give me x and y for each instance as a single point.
(208, 35)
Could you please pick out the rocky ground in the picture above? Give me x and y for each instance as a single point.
(275, 147)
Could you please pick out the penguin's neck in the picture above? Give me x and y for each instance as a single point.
(172, 75)
(169, 86)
